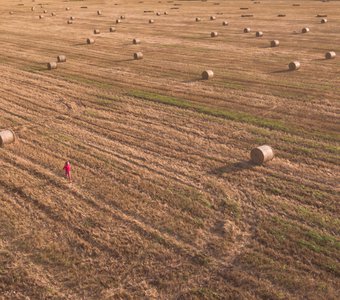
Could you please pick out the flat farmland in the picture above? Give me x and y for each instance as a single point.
(164, 202)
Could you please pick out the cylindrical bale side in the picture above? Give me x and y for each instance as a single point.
(165, 12)
(323, 21)
(151, 21)
(90, 41)
(72, 18)
(136, 41)
(158, 13)
(246, 30)
(330, 55)
(274, 43)
(32, 8)
(225, 23)
(45, 11)
(305, 30)
(208, 74)
(261, 154)
(41, 16)
(294, 65)
(259, 33)
(6, 137)
(198, 19)
(99, 12)
(118, 21)
(51, 65)
(96, 31)
(212, 18)
(112, 29)
(214, 34)
(138, 55)
(61, 58)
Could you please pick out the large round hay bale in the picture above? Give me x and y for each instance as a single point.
(136, 41)
(118, 21)
(6, 137)
(96, 31)
(165, 13)
(274, 43)
(122, 17)
(90, 41)
(99, 12)
(261, 154)
(158, 13)
(151, 21)
(45, 11)
(330, 55)
(51, 65)
(246, 30)
(323, 21)
(294, 65)
(259, 34)
(67, 8)
(32, 8)
(11, 13)
(198, 19)
(69, 22)
(72, 18)
(112, 29)
(225, 23)
(61, 58)
(207, 74)
(212, 18)
(138, 55)
(305, 30)
(214, 34)
(53, 14)
(41, 16)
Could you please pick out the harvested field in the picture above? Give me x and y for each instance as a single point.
(164, 203)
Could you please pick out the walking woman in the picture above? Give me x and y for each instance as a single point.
(67, 169)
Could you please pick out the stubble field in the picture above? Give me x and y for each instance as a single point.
(164, 202)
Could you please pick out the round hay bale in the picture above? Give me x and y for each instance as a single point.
(112, 29)
(41, 16)
(136, 41)
(261, 154)
(246, 30)
(99, 12)
(72, 18)
(67, 8)
(6, 137)
(51, 65)
(32, 8)
(259, 34)
(323, 21)
(294, 65)
(305, 30)
(11, 13)
(165, 12)
(138, 55)
(198, 19)
(274, 43)
(61, 58)
(53, 14)
(96, 31)
(214, 34)
(212, 18)
(45, 11)
(158, 13)
(151, 21)
(207, 74)
(225, 23)
(122, 17)
(90, 41)
(118, 21)
(330, 55)
(69, 22)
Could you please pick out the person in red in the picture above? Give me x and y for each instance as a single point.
(67, 169)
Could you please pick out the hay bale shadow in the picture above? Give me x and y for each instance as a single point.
(233, 168)
(281, 71)
(193, 80)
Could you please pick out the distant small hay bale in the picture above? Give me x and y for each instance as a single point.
(11, 13)
(259, 34)
(112, 29)
(323, 21)
(32, 8)
(207, 74)
(214, 34)
(198, 19)
(61, 58)
(51, 65)
(90, 41)
(122, 17)
(136, 41)
(138, 55)
(274, 43)
(53, 14)
(96, 31)
(7, 137)
(305, 30)
(225, 23)
(165, 13)
(72, 18)
(212, 18)
(158, 13)
(118, 21)
(330, 55)
(45, 11)
(41, 16)
(151, 21)
(261, 154)
(294, 65)
(246, 30)
(67, 8)
(69, 22)
(99, 12)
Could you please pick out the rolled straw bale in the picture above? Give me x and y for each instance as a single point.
(212, 18)
(246, 30)
(214, 34)
(61, 58)
(151, 21)
(259, 33)
(138, 55)
(274, 43)
(305, 30)
(323, 21)
(90, 41)
(112, 29)
(69, 22)
(6, 137)
(330, 55)
(207, 74)
(261, 154)
(51, 65)
(118, 21)
(198, 19)
(294, 65)
(99, 12)
(136, 41)
(96, 31)
(225, 23)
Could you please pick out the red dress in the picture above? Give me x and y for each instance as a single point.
(67, 169)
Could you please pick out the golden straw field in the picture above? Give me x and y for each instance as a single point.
(164, 202)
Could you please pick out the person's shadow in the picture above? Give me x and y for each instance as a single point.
(233, 168)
